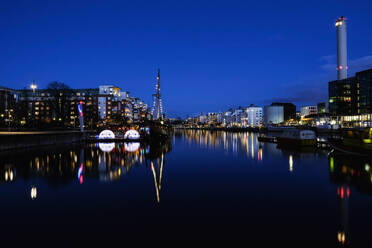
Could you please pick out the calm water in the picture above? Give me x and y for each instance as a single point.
(199, 185)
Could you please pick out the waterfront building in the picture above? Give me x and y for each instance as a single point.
(135, 109)
(212, 119)
(350, 99)
(323, 107)
(237, 116)
(43, 106)
(273, 115)
(202, 119)
(110, 101)
(351, 96)
(227, 118)
(252, 117)
(219, 117)
(288, 108)
(58, 106)
(308, 110)
(9, 100)
(89, 101)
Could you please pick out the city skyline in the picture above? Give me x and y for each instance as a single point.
(212, 57)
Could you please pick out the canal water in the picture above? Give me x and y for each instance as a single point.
(197, 185)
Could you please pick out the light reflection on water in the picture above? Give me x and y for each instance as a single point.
(216, 175)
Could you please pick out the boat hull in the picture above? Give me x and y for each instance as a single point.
(296, 142)
(351, 150)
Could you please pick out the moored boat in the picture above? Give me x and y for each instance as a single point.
(266, 139)
(355, 142)
(297, 137)
(158, 130)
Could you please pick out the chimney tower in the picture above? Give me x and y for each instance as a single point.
(341, 48)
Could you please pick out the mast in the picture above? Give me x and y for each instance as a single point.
(158, 96)
(157, 104)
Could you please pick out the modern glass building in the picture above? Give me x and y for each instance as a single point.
(351, 96)
(351, 99)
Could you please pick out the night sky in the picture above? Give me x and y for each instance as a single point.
(213, 55)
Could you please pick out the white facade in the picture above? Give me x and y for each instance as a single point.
(102, 107)
(107, 95)
(220, 117)
(227, 118)
(202, 119)
(308, 110)
(237, 117)
(253, 117)
(273, 114)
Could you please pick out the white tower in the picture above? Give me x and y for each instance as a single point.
(341, 48)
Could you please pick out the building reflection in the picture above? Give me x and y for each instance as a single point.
(347, 172)
(61, 166)
(244, 143)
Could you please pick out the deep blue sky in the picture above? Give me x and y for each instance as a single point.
(212, 54)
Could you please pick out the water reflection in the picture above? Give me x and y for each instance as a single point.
(155, 156)
(351, 171)
(246, 143)
(61, 166)
(290, 163)
(236, 143)
(33, 193)
(347, 172)
(230, 184)
(106, 147)
(344, 171)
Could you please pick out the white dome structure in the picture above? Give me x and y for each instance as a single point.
(132, 135)
(106, 134)
(106, 147)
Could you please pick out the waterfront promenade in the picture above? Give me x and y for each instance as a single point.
(16, 140)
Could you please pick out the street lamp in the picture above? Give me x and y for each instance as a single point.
(33, 86)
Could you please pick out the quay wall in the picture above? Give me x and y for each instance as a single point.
(18, 140)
